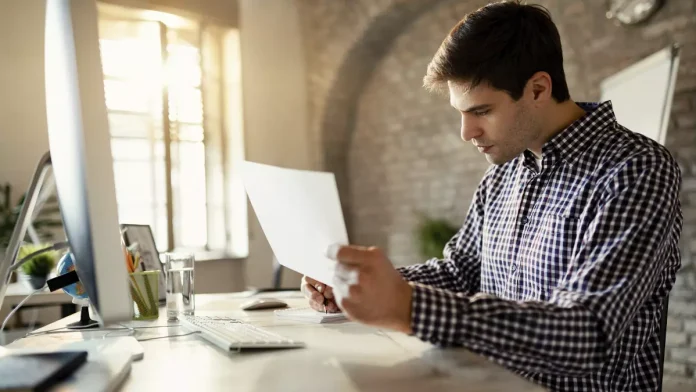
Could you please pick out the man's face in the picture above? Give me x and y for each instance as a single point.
(500, 127)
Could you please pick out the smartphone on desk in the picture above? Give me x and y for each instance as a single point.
(36, 372)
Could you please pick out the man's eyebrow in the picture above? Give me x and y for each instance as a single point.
(478, 107)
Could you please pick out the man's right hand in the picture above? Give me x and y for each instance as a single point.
(320, 295)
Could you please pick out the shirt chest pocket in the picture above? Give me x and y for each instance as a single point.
(547, 247)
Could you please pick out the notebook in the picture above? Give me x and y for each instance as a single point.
(310, 315)
(38, 372)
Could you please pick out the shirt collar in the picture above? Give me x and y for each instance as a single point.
(578, 136)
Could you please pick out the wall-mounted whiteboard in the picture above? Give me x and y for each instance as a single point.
(642, 93)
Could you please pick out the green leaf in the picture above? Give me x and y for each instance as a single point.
(433, 235)
(40, 265)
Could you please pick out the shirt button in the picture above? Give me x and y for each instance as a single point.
(525, 220)
(514, 267)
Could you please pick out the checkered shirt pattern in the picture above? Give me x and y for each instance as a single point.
(559, 271)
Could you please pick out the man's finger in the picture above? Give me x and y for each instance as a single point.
(309, 290)
(350, 308)
(353, 255)
(316, 306)
(311, 281)
(317, 302)
(317, 297)
(346, 275)
(332, 307)
(328, 293)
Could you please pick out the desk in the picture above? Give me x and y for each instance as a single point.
(338, 357)
(17, 291)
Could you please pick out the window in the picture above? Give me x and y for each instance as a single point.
(172, 96)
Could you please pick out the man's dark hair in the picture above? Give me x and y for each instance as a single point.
(502, 44)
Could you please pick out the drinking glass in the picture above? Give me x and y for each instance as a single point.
(180, 288)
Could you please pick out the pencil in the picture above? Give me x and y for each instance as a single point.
(129, 261)
(137, 260)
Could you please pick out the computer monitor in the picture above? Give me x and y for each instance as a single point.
(80, 154)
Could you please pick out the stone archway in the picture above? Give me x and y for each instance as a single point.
(338, 118)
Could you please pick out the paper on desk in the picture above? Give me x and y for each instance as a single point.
(310, 315)
(300, 213)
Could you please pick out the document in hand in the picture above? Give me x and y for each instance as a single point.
(300, 213)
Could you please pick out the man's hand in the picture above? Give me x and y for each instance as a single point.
(320, 295)
(380, 297)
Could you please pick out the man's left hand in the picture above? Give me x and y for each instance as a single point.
(380, 297)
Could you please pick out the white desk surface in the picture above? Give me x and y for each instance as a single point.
(338, 357)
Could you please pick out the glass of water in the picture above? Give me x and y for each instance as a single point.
(180, 292)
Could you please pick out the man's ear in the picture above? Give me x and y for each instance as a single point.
(540, 86)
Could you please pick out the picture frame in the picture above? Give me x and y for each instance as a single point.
(149, 255)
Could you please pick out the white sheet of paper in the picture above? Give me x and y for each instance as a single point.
(300, 213)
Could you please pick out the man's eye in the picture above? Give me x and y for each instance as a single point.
(482, 112)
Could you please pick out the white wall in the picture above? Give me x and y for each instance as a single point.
(23, 137)
(275, 105)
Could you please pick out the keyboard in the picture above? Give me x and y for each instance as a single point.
(232, 334)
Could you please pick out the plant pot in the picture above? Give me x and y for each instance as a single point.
(33, 282)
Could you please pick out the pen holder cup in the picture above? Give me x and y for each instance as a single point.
(144, 292)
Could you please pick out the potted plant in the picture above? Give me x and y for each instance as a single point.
(36, 271)
(433, 235)
(45, 224)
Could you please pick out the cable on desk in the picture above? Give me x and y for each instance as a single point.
(130, 330)
(65, 330)
(133, 330)
(19, 305)
(169, 336)
(124, 328)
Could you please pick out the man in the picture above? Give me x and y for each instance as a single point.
(570, 244)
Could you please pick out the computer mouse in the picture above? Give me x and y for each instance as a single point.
(263, 303)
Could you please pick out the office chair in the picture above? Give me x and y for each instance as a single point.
(663, 337)
(277, 274)
(276, 280)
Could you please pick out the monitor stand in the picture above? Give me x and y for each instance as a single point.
(85, 321)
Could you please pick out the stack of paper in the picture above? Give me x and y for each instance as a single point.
(309, 315)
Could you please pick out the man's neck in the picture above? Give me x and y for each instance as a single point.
(558, 119)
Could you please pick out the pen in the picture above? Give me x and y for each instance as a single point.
(326, 302)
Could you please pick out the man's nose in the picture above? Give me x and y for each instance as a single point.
(470, 129)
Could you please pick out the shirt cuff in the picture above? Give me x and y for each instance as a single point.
(436, 314)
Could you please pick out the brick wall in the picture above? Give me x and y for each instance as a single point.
(344, 42)
(406, 158)
(396, 149)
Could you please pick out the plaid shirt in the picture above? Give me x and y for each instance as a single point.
(559, 272)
